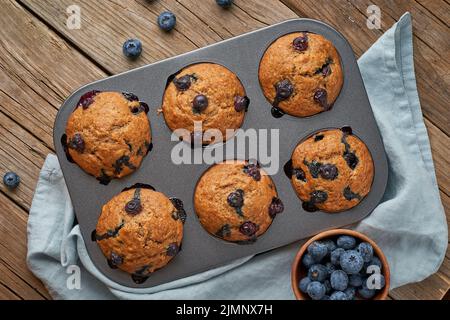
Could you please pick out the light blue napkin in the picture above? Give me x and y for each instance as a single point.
(409, 224)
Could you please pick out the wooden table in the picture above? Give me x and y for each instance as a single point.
(42, 62)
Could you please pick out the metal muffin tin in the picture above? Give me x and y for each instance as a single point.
(242, 56)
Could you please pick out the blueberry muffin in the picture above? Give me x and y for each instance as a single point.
(236, 201)
(208, 93)
(140, 230)
(108, 134)
(332, 171)
(301, 74)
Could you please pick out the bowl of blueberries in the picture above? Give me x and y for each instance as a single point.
(340, 264)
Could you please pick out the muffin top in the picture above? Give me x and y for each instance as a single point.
(208, 93)
(140, 230)
(108, 134)
(332, 170)
(301, 74)
(236, 201)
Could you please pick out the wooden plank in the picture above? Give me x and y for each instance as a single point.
(439, 8)
(15, 284)
(13, 249)
(431, 67)
(7, 294)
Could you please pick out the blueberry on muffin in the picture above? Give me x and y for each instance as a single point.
(205, 92)
(139, 231)
(301, 74)
(236, 201)
(108, 134)
(332, 171)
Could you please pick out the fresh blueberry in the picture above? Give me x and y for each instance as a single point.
(328, 287)
(200, 103)
(77, 143)
(350, 292)
(335, 256)
(351, 159)
(307, 261)
(132, 48)
(172, 249)
(236, 198)
(301, 43)
(328, 171)
(11, 180)
(276, 207)
(365, 250)
(303, 284)
(241, 103)
(338, 295)
(330, 267)
(346, 242)
(331, 246)
(167, 21)
(133, 207)
(320, 96)
(366, 293)
(253, 171)
(355, 280)
(319, 196)
(284, 90)
(316, 290)
(317, 250)
(325, 297)
(318, 272)
(351, 262)
(299, 174)
(225, 3)
(339, 280)
(248, 228)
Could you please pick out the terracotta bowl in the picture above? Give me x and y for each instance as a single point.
(299, 271)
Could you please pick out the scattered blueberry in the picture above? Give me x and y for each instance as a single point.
(338, 295)
(87, 99)
(331, 246)
(365, 292)
(77, 143)
(351, 262)
(299, 174)
(132, 48)
(248, 228)
(172, 249)
(365, 250)
(335, 256)
(328, 171)
(355, 280)
(200, 103)
(320, 96)
(319, 196)
(284, 90)
(167, 21)
(241, 103)
(330, 267)
(301, 43)
(346, 242)
(307, 261)
(236, 198)
(317, 250)
(351, 159)
(317, 272)
(325, 297)
(339, 280)
(133, 207)
(276, 207)
(316, 290)
(328, 287)
(303, 285)
(11, 180)
(350, 292)
(225, 3)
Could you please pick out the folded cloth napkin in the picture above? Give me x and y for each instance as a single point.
(409, 224)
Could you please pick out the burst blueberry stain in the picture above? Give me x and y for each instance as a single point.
(87, 99)
(313, 167)
(318, 137)
(241, 103)
(115, 260)
(284, 89)
(301, 43)
(248, 228)
(318, 196)
(236, 200)
(351, 159)
(328, 171)
(224, 232)
(134, 206)
(350, 195)
(172, 249)
(130, 96)
(104, 179)
(200, 103)
(276, 207)
(276, 112)
(299, 174)
(77, 143)
(139, 279)
(347, 130)
(180, 213)
(320, 96)
(253, 171)
(183, 83)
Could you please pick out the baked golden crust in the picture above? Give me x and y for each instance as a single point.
(109, 137)
(332, 171)
(139, 241)
(254, 203)
(316, 67)
(219, 85)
